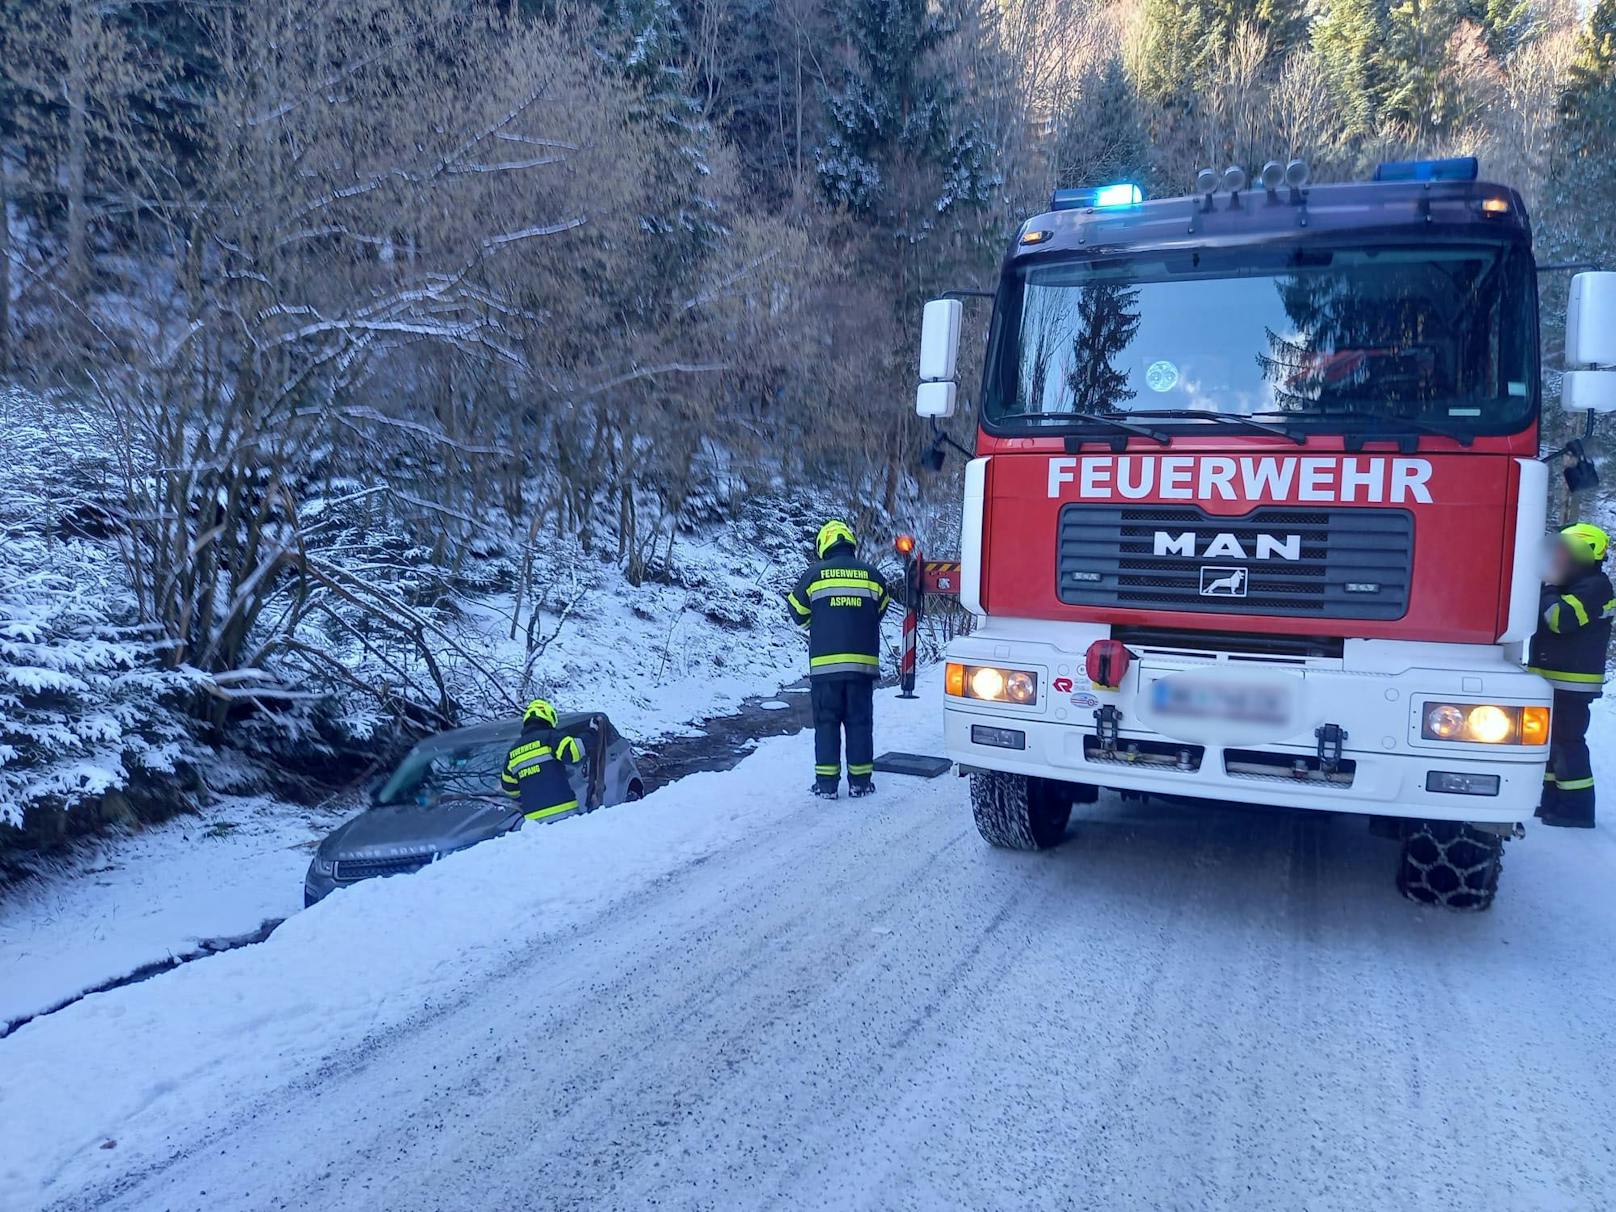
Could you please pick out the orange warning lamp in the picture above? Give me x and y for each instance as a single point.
(905, 543)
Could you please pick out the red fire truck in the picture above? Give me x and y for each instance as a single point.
(1257, 511)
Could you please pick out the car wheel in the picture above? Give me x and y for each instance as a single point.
(636, 791)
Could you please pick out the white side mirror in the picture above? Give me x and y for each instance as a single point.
(1591, 321)
(1588, 391)
(1590, 343)
(939, 340)
(936, 400)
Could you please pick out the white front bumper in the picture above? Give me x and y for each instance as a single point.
(1374, 691)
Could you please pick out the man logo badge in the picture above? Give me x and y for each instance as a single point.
(1223, 582)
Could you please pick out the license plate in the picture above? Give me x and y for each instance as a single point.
(1210, 699)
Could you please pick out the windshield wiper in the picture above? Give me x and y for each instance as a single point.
(1072, 418)
(1393, 419)
(1222, 418)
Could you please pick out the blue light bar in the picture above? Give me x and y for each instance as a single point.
(1102, 197)
(1458, 168)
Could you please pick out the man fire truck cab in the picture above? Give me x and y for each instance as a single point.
(1257, 511)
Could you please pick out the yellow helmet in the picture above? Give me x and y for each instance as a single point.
(539, 711)
(833, 532)
(1586, 542)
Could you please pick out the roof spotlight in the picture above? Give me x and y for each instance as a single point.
(1234, 178)
(1296, 174)
(1206, 182)
(1273, 175)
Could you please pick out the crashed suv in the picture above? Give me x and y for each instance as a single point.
(445, 796)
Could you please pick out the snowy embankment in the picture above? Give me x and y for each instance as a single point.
(653, 657)
(733, 995)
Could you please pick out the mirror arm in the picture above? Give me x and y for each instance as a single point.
(940, 438)
(1569, 267)
(1572, 447)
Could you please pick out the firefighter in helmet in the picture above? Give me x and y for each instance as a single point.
(536, 771)
(839, 600)
(1569, 651)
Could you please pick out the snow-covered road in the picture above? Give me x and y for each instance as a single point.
(861, 1005)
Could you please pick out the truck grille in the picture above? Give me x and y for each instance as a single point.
(347, 870)
(1275, 560)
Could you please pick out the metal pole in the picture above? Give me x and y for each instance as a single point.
(911, 625)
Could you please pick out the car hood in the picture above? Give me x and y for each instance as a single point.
(390, 830)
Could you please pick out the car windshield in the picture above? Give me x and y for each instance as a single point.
(429, 776)
(1441, 334)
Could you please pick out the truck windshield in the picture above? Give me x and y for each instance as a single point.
(1327, 338)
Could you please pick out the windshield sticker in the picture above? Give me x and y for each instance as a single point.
(1517, 389)
(1161, 375)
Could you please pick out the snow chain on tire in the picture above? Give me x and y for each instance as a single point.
(1450, 864)
(1015, 812)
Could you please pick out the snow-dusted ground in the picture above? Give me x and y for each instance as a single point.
(733, 995)
(138, 899)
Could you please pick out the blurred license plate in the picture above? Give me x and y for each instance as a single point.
(1209, 699)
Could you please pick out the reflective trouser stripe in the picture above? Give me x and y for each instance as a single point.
(828, 771)
(1575, 784)
(1548, 776)
(861, 769)
(556, 810)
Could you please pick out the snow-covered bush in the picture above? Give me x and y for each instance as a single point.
(86, 706)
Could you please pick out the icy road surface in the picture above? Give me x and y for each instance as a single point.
(734, 996)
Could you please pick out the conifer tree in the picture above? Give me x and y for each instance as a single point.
(1184, 40)
(900, 148)
(1346, 38)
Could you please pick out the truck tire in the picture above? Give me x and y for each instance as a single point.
(1018, 812)
(1451, 864)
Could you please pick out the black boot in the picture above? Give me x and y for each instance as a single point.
(860, 789)
(824, 790)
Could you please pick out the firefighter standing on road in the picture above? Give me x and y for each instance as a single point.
(1569, 650)
(840, 600)
(536, 769)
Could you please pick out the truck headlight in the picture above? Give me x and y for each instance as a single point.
(1485, 723)
(987, 683)
(991, 683)
(320, 866)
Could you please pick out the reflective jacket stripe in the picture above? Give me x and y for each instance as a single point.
(1581, 683)
(843, 662)
(531, 764)
(1554, 616)
(843, 587)
(844, 658)
(554, 810)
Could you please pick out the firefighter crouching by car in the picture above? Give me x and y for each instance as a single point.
(1569, 651)
(840, 600)
(536, 769)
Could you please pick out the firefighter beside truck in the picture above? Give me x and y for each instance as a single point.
(1257, 511)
